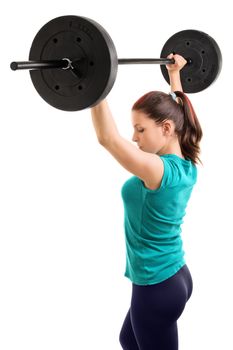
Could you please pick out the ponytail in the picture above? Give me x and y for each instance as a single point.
(191, 133)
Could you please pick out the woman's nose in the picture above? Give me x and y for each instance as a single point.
(134, 138)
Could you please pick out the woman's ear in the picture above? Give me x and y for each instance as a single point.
(168, 128)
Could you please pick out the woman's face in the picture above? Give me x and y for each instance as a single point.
(150, 137)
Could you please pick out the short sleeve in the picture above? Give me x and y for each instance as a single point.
(178, 172)
(172, 175)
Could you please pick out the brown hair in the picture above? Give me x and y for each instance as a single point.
(161, 107)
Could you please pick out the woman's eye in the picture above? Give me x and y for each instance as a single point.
(140, 130)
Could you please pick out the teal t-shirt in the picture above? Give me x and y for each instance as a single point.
(152, 220)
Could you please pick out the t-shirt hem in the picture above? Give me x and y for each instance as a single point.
(155, 281)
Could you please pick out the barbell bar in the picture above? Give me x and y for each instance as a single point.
(83, 47)
(66, 64)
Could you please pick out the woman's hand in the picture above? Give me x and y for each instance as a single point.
(180, 62)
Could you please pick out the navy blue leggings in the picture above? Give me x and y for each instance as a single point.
(151, 322)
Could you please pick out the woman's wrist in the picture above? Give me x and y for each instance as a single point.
(174, 73)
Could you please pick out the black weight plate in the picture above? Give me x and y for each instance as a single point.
(205, 56)
(75, 38)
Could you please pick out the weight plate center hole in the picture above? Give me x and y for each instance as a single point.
(189, 61)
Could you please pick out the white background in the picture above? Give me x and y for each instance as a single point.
(62, 252)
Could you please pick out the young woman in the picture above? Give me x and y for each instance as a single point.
(167, 133)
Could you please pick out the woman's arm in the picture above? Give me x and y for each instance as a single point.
(175, 82)
(174, 72)
(147, 166)
(104, 124)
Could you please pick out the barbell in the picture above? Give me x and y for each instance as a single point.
(73, 62)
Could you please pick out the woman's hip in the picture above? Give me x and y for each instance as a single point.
(165, 300)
